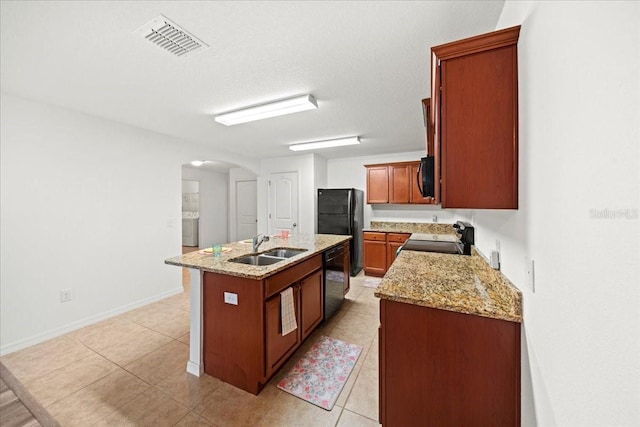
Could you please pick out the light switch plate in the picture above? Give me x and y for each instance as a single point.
(230, 298)
(530, 273)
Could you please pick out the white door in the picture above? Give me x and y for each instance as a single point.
(246, 209)
(283, 202)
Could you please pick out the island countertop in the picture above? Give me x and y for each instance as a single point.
(313, 243)
(460, 283)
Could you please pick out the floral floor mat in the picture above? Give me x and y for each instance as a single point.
(322, 372)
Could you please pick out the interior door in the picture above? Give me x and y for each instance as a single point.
(283, 202)
(246, 209)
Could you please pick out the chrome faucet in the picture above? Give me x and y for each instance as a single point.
(257, 241)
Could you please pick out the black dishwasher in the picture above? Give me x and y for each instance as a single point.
(334, 280)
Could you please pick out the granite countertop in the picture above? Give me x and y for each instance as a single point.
(314, 243)
(411, 227)
(460, 283)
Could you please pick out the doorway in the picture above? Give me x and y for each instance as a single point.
(246, 209)
(283, 202)
(190, 214)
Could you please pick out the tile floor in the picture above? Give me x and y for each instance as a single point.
(130, 371)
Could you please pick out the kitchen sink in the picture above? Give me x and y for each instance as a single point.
(284, 252)
(262, 259)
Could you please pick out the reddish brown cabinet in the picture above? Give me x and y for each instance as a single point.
(399, 183)
(394, 183)
(279, 347)
(380, 251)
(375, 253)
(311, 299)
(461, 369)
(394, 241)
(474, 109)
(377, 184)
(243, 343)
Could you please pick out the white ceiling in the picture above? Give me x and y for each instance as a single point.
(366, 62)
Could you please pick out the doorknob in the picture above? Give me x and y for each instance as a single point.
(294, 225)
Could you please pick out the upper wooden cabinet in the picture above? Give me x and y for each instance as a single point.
(474, 109)
(394, 183)
(377, 184)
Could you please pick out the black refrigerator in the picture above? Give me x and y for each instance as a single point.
(340, 211)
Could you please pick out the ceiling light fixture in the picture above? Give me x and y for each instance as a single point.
(353, 140)
(197, 163)
(271, 109)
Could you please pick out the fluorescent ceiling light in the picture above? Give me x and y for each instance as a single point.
(271, 109)
(354, 140)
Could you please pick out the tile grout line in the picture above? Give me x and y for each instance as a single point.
(38, 411)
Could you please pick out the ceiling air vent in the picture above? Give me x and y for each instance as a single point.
(169, 36)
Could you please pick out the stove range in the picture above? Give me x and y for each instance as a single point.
(445, 244)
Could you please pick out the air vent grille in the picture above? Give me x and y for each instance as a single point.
(170, 37)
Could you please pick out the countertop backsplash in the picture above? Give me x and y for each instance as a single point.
(411, 227)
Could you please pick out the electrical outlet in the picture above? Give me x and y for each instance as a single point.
(230, 298)
(495, 260)
(65, 295)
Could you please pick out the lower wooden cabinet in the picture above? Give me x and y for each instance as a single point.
(375, 253)
(452, 370)
(311, 303)
(279, 347)
(380, 251)
(242, 342)
(394, 241)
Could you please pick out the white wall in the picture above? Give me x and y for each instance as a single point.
(350, 172)
(579, 74)
(213, 225)
(85, 204)
(320, 181)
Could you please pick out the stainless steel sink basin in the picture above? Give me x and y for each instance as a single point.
(261, 259)
(284, 252)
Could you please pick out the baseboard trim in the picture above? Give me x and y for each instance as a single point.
(37, 339)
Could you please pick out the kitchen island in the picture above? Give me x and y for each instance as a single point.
(234, 330)
(449, 343)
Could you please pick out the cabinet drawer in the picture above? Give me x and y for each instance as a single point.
(280, 281)
(397, 237)
(376, 236)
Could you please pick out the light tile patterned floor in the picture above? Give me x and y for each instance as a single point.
(130, 371)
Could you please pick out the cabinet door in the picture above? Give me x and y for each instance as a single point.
(458, 369)
(478, 129)
(399, 185)
(311, 303)
(279, 347)
(377, 184)
(375, 256)
(395, 240)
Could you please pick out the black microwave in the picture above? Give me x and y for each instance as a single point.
(425, 176)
